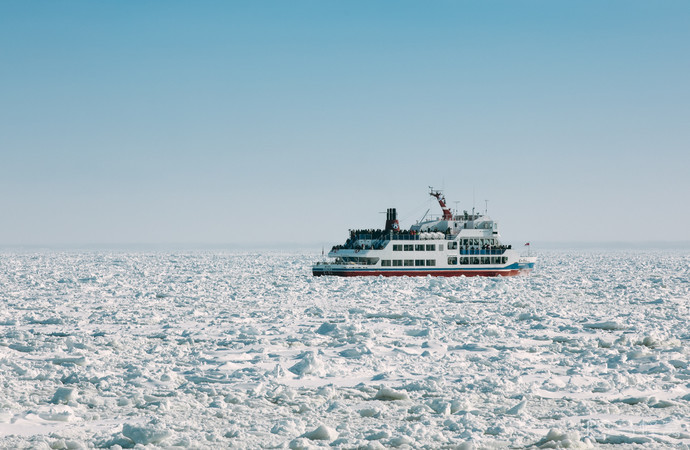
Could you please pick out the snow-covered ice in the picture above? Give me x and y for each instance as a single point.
(247, 349)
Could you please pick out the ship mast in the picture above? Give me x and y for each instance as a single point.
(447, 215)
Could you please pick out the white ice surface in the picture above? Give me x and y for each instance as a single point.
(246, 350)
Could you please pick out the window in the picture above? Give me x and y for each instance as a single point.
(452, 260)
(452, 245)
(397, 247)
(419, 247)
(408, 247)
(385, 262)
(409, 262)
(430, 247)
(430, 262)
(397, 262)
(474, 260)
(418, 262)
(464, 260)
(485, 260)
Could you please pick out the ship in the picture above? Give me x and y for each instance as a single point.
(448, 245)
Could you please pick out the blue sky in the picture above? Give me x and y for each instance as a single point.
(290, 122)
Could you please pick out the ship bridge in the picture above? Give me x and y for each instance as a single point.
(453, 224)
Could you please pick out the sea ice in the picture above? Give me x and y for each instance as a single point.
(216, 349)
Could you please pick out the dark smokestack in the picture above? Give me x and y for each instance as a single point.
(392, 220)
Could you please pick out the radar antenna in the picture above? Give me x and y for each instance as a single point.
(447, 215)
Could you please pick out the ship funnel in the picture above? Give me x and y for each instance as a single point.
(392, 220)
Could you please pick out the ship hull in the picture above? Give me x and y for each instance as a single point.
(342, 271)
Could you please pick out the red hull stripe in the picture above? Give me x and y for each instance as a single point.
(509, 270)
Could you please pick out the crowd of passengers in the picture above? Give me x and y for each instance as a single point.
(371, 234)
(379, 237)
(379, 234)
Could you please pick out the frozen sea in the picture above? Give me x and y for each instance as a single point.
(218, 349)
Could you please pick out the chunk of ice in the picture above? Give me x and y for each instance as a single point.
(150, 434)
(64, 395)
(322, 433)
(389, 394)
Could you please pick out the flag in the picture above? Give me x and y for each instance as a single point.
(527, 244)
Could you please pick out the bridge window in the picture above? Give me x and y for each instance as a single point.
(397, 247)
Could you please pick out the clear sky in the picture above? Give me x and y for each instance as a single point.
(255, 122)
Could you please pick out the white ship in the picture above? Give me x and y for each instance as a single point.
(450, 245)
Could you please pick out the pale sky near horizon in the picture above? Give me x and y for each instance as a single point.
(291, 122)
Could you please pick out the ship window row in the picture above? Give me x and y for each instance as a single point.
(482, 260)
(356, 260)
(407, 262)
(416, 247)
(476, 241)
(451, 245)
(452, 261)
